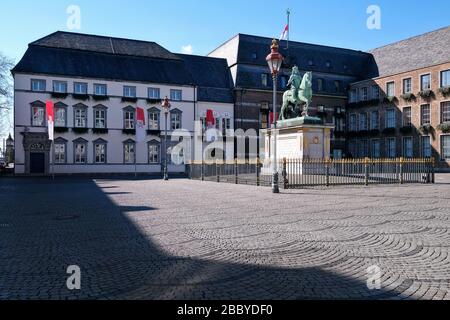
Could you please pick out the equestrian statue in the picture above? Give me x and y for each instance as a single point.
(297, 99)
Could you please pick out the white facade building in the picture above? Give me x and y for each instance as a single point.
(96, 83)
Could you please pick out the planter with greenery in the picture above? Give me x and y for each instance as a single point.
(100, 130)
(61, 129)
(444, 127)
(80, 130)
(406, 129)
(129, 99)
(83, 97)
(408, 97)
(100, 98)
(426, 94)
(426, 128)
(154, 101)
(445, 90)
(129, 131)
(389, 131)
(153, 132)
(59, 95)
(389, 99)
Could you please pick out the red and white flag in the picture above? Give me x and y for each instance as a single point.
(140, 125)
(285, 32)
(211, 134)
(50, 119)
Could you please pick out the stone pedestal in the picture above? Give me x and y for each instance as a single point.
(299, 139)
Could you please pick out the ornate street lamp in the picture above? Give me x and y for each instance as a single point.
(166, 108)
(274, 60)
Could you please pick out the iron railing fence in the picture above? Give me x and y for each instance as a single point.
(299, 173)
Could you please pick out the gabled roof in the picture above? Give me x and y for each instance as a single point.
(422, 51)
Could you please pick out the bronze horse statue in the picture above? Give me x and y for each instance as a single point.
(300, 93)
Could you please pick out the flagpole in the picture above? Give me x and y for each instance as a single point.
(53, 160)
(289, 27)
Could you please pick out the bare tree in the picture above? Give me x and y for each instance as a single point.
(6, 96)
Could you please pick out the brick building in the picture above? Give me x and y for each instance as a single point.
(404, 111)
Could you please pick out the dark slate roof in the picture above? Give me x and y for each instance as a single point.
(94, 43)
(212, 76)
(422, 51)
(74, 54)
(76, 63)
(342, 61)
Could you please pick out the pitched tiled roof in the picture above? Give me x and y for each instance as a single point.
(422, 51)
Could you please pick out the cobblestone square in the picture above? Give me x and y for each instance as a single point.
(182, 239)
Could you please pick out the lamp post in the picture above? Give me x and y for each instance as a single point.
(274, 60)
(166, 109)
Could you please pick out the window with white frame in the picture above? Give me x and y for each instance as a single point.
(364, 94)
(445, 147)
(363, 121)
(407, 116)
(80, 88)
(390, 89)
(407, 85)
(60, 86)
(38, 114)
(407, 147)
(38, 85)
(425, 82)
(60, 152)
(100, 151)
(425, 114)
(129, 92)
(445, 111)
(390, 118)
(129, 152)
(375, 148)
(352, 122)
(375, 92)
(100, 89)
(100, 117)
(445, 78)
(154, 151)
(80, 152)
(128, 116)
(391, 147)
(153, 119)
(426, 146)
(80, 117)
(175, 119)
(176, 95)
(154, 93)
(374, 120)
(60, 116)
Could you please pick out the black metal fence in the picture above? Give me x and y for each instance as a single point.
(299, 173)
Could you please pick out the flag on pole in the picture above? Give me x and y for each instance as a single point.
(210, 126)
(50, 119)
(285, 32)
(271, 117)
(140, 125)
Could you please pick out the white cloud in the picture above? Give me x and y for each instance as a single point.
(187, 49)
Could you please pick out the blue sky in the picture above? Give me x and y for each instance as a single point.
(204, 24)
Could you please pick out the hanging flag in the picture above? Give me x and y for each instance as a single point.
(211, 133)
(50, 119)
(140, 125)
(285, 32)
